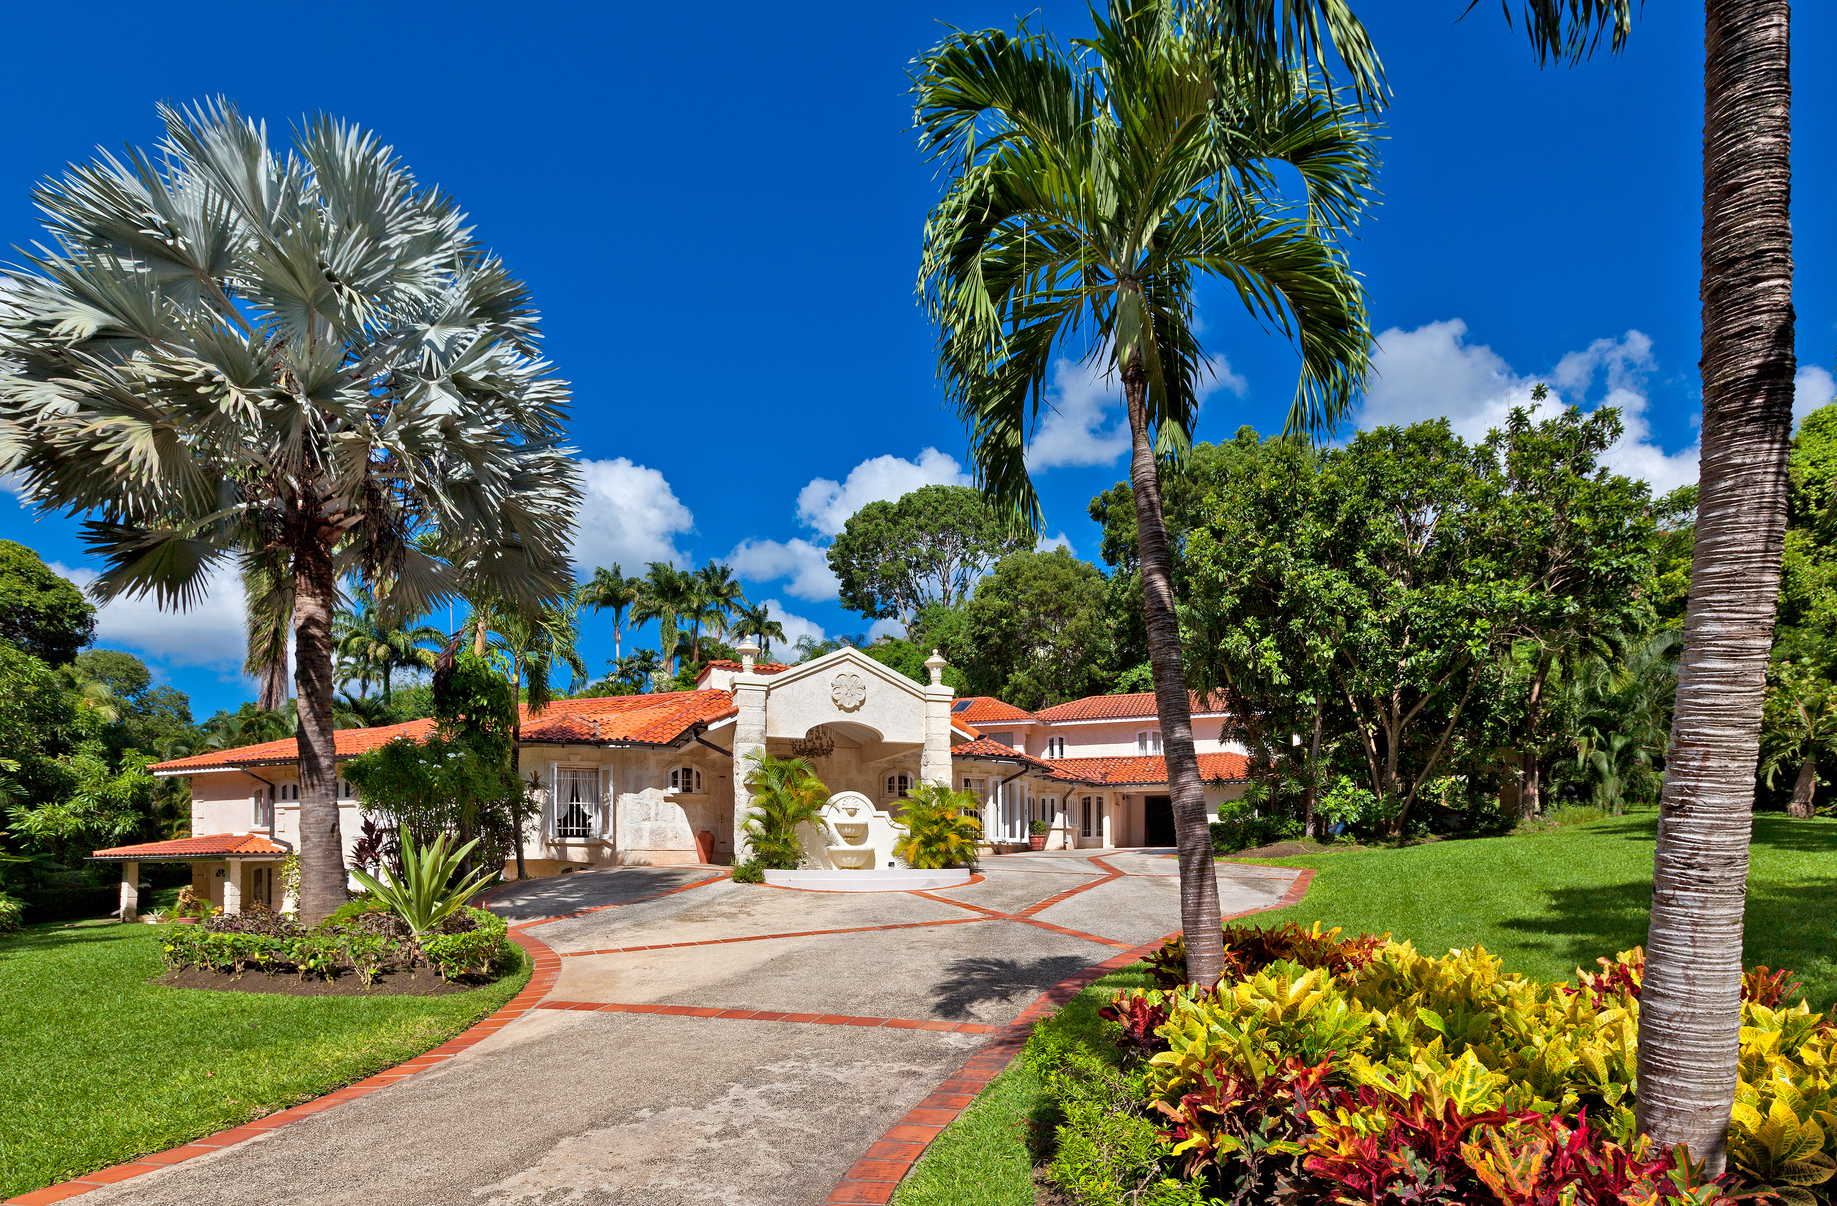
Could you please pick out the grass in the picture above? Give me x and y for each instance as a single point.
(986, 1157)
(1550, 901)
(102, 1066)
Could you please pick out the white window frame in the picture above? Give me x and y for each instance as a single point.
(1055, 747)
(1090, 821)
(345, 790)
(262, 813)
(572, 802)
(899, 786)
(686, 780)
(289, 792)
(1148, 742)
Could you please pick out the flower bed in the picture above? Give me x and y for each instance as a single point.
(355, 941)
(1325, 1069)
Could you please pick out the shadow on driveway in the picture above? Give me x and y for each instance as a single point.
(981, 978)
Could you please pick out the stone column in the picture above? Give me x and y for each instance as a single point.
(749, 738)
(1111, 804)
(934, 757)
(130, 891)
(232, 887)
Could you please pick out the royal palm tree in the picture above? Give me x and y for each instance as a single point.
(1088, 192)
(371, 649)
(610, 590)
(665, 595)
(717, 595)
(232, 346)
(757, 621)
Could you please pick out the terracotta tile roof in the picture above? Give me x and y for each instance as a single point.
(985, 747)
(721, 663)
(1143, 770)
(985, 710)
(216, 845)
(1139, 705)
(660, 719)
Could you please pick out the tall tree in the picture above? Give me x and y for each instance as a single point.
(717, 594)
(232, 346)
(1088, 192)
(610, 590)
(894, 559)
(665, 595)
(372, 648)
(757, 621)
(41, 613)
(1035, 633)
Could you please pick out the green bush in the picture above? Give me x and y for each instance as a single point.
(12, 913)
(427, 890)
(472, 953)
(1240, 828)
(752, 871)
(785, 794)
(68, 904)
(942, 828)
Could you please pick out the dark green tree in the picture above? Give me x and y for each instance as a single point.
(894, 559)
(1035, 633)
(41, 613)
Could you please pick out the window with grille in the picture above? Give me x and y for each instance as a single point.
(685, 780)
(899, 786)
(1148, 742)
(577, 801)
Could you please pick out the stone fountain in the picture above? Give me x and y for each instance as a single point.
(851, 849)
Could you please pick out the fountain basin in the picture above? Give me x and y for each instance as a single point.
(851, 858)
(877, 879)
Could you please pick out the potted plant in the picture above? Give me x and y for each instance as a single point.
(1036, 835)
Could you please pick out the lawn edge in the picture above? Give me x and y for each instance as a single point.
(874, 1177)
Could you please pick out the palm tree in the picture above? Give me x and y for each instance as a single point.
(666, 595)
(267, 590)
(230, 346)
(1088, 192)
(717, 595)
(785, 794)
(610, 590)
(1800, 725)
(757, 621)
(371, 648)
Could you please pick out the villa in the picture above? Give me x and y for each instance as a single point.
(653, 779)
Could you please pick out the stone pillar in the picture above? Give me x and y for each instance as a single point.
(232, 887)
(1111, 805)
(749, 738)
(130, 891)
(934, 757)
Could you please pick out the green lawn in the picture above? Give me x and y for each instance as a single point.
(1550, 902)
(101, 1066)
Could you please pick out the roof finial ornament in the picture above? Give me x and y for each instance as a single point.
(936, 663)
(747, 651)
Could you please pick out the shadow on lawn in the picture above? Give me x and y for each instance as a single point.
(54, 934)
(980, 978)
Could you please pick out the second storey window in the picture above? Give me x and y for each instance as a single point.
(1148, 742)
(1055, 747)
(685, 780)
(263, 815)
(898, 786)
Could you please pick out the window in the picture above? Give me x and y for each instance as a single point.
(264, 809)
(1148, 742)
(345, 792)
(290, 791)
(685, 780)
(577, 801)
(1055, 747)
(1006, 739)
(899, 786)
(1090, 821)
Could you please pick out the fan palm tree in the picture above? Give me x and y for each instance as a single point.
(610, 590)
(232, 346)
(1088, 193)
(372, 649)
(757, 621)
(665, 595)
(717, 595)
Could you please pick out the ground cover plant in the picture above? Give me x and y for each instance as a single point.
(140, 1067)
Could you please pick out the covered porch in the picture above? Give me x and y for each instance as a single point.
(228, 870)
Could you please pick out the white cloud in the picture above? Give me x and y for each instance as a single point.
(210, 634)
(796, 559)
(1433, 371)
(1086, 424)
(826, 505)
(1061, 541)
(796, 627)
(1812, 387)
(628, 515)
(885, 626)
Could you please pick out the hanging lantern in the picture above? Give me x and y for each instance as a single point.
(817, 743)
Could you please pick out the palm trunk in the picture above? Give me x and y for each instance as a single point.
(1803, 789)
(322, 871)
(271, 690)
(516, 805)
(1690, 1005)
(1199, 915)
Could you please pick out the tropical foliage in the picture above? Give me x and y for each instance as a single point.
(943, 827)
(785, 795)
(430, 885)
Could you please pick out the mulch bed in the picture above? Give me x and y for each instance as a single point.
(422, 982)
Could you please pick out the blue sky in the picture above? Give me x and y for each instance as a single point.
(720, 219)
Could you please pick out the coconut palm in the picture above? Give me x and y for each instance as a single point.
(231, 346)
(717, 595)
(665, 595)
(757, 621)
(1089, 191)
(785, 794)
(371, 648)
(610, 590)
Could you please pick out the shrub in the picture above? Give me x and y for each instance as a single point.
(190, 904)
(785, 794)
(942, 827)
(12, 913)
(1240, 828)
(752, 871)
(423, 892)
(473, 951)
(68, 904)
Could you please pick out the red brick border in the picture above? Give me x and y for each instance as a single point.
(880, 1169)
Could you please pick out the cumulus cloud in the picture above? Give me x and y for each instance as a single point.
(210, 634)
(796, 627)
(628, 515)
(826, 505)
(1811, 388)
(803, 563)
(1086, 425)
(886, 626)
(1048, 543)
(1433, 371)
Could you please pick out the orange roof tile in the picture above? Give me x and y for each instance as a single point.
(1150, 769)
(216, 845)
(1138, 705)
(985, 710)
(723, 663)
(986, 747)
(660, 719)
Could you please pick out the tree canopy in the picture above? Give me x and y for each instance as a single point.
(893, 559)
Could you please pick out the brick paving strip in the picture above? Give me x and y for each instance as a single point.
(881, 1168)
